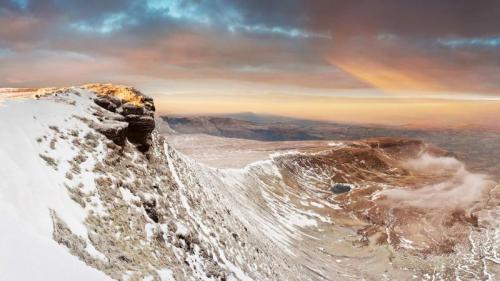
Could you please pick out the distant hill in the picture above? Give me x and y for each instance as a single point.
(479, 149)
(235, 128)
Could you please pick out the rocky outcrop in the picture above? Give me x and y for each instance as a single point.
(141, 123)
(133, 108)
(113, 130)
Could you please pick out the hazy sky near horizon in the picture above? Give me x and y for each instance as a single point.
(355, 60)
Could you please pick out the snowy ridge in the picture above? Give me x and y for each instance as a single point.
(121, 213)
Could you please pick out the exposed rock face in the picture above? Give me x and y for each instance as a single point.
(113, 130)
(133, 108)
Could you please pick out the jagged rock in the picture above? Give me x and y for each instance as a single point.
(131, 109)
(136, 108)
(109, 103)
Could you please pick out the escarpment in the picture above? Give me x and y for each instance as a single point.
(129, 114)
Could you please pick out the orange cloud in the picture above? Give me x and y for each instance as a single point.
(388, 78)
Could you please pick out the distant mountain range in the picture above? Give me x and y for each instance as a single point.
(239, 128)
(478, 148)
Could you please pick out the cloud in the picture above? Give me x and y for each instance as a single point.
(460, 190)
(405, 17)
(55, 69)
(486, 42)
(392, 45)
(396, 63)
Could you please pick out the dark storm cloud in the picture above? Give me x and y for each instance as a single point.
(424, 45)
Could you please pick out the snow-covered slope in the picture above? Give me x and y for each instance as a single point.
(89, 192)
(30, 188)
(77, 206)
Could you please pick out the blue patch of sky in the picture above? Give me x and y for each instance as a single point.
(276, 30)
(5, 52)
(229, 18)
(23, 4)
(487, 42)
(178, 9)
(110, 23)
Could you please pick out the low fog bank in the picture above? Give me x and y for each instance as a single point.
(461, 189)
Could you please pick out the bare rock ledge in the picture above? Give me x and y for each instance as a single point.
(130, 114)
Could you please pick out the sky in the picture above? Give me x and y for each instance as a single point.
(381, 61)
